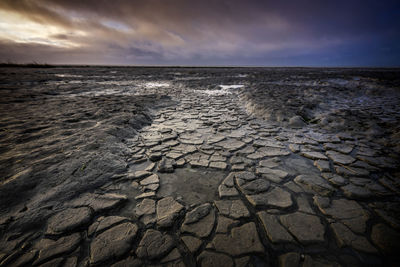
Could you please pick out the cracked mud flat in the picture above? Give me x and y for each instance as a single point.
(199, 167)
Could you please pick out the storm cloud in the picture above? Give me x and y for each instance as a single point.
(179, 32)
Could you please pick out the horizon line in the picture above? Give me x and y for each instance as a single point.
(38, 65)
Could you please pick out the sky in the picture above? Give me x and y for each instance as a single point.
(201, 32)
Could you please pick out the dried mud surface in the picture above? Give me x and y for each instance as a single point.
(199, 166)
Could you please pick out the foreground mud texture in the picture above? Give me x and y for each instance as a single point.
(199, 167)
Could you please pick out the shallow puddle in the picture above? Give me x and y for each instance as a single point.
(156, 84)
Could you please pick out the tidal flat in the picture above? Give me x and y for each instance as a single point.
(175, 166)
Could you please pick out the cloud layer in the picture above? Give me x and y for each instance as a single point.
(207, 32)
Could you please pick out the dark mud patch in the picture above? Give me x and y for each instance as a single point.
(56, 145)
(334, 100)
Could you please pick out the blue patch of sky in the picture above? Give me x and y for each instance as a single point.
(116, 25)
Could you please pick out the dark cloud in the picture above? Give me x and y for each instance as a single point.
(60, 36)
(208, 32)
